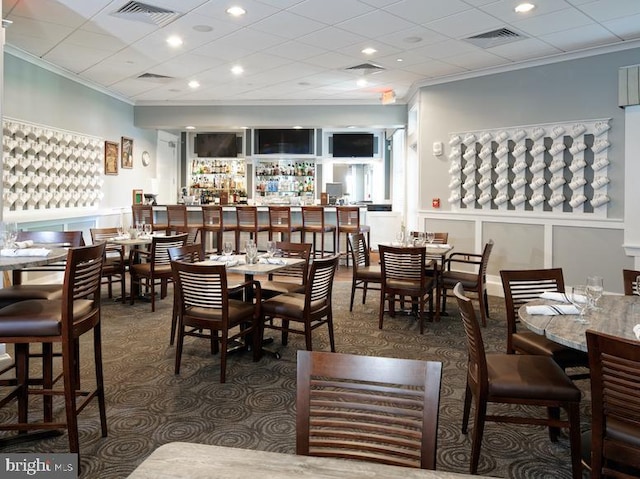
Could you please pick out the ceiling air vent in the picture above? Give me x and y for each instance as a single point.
(495, 38)
(366, 68)
(141, 12)
(155, 77)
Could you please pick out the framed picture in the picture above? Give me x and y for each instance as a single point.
(111, 157)
(137, 197)
(127, 153)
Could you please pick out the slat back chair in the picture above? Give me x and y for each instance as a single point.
(375, 409)
(291, 279)
(204, 304)
(615, 404)
(520, 287)
(363, 272)
(523, 379)
(156, 268)
(280, 222)
(403, 275)
(115, 266)
(629, 279)
(61, 321)
(312, 309)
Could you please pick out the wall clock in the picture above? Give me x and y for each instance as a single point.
(146, 158)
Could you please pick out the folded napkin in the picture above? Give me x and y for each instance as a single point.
(272, 261)
(552, 309)
(439, 246)
(232, 262)
(562, 297)
(23, 244)
(123, 237)
(223, 259)
(25, 252)
(636, 330)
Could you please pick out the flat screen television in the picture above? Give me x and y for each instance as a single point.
(216, 145)
(353, 145)
(288, 141)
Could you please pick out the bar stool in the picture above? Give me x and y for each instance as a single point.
(144, 214)
(213, 223)
(280, 222)
(176, 219)
(313, 222)
(349, 223)
(248, 222)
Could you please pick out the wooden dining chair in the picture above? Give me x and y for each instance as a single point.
(349, 223)
(213, 224)
(291, 279)
(204, 304)
(248, 222)
(115, 264)
(475, 281)
(382, 410)
(313, 223)
(176, 219)
(280, 223)
(629, 281)
(60, 321)
(144, 214)
(522, 286)
(517, 379)
(364, 273)
(615, 406)
(403, 276)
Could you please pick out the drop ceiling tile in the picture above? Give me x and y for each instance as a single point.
(35, 36)
(526, 49)
(126, 30)
(627, 28)
(332, 60)
(375, 23)
(444, 49)
(252, 40)
(261, 62)
(421, 12)
(74, 58)
(331, 12)
(331, 38)
(477, 60)
(435, 68)
(295, 50)
(287, 25)
(51, 10)
(610, 9)
(552, 22)
(412, 38)
(467, 23)
(256, 11)
(99, 41)
(505, 9)
(579, 38)
(355, 50)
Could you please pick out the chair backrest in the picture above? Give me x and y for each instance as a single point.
(60, 238)
(403, 265)
(615, 402)
(359, 251)
(279, 216)
(160, 246)
(484, 262)
(522, 286)
(348, 216)
(201, 286)
(295, 250)
(189, 253)
(142, 214)
(247, 216)
(82, 280)
(102, 234)
(375, 409)
(320, 284)
(312, 216)
(629, 279)
(176, 217)
(477, 367)
(212, 216)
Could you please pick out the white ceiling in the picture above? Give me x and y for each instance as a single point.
(296, 51)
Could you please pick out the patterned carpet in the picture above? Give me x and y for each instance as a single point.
(147, 405)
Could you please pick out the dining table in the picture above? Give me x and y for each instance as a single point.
(614, 314)
(181, 460)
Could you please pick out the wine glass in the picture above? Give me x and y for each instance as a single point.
(252, 252)
(227, 249)
(430, 236)
(139, 227)
(595, 289)
(10, 233)
(400, 237)
(271, 248)
(578, 297)
(147, 229)
(120, 229)
(422, 238)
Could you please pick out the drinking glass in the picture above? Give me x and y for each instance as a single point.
(422, 238)
(120, 229)
(578, 297)
(430, 236)
(10, 233)
(227, 248)
(252, 252)
(139, 227)
(400, 237)
(595, 289)
(147, 229)
(271, 248)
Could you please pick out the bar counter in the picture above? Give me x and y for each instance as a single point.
(185, 460)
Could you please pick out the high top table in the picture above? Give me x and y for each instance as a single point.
(615, 315)
(184, 460)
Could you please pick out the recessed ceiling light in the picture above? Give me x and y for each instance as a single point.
(174, 41)
(524, 7)
(193, 84)
(369, 51)
(236, 11)
(362, 82)
(399, 60)
(189, 127)
(202, 28)
(237, 70)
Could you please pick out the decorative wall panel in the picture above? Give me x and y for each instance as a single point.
(555, 167)
(48, 168)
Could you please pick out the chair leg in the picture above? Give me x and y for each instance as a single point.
(381, 311)
(179, 344)
(223, 354)
(22, 377)
(365, 286)
(573, 411)
(483, 308)
(47, 380)
(97, 354)
(174, 321)
(478, 431)
(553, 413)
(68, 371)
(466, 409)
(332, 341)
(353, 294)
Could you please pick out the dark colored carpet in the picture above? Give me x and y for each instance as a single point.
(147, 405)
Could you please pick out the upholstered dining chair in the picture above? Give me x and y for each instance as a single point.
(364, 273)
(521, 286)
(475, 281)
(204, 304)
(153, 266)
(615, 406)
(349, 223)
(368, 408)
(115, 265)
(629, 281)
(310, 309)
(190, 253)
(522, 379)
(403, 275)
(63, 321)
(291, 279)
